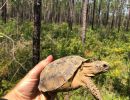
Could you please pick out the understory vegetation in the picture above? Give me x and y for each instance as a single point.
(58, 40)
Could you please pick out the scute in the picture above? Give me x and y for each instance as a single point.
(58, 72)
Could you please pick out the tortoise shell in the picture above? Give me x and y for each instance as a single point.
(58, 72)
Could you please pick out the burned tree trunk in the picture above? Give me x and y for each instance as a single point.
(93, 15)
(37, 30)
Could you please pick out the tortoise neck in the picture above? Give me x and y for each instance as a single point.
(86, 64)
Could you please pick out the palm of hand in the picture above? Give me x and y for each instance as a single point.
(27, 88)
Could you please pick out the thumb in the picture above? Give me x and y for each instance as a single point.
(35, 72)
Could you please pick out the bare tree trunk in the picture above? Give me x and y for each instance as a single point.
(112, 22)
(84, 14)
(87, 13)
(128, 18)
(99, 12)
(119, 22)
(4, 11)
(70, 13)
(37, 31)
(107, 14)
(93, 15)
(90, 14)
(113, 15)
(120, 14)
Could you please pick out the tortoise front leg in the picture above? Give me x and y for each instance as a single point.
(89, 84)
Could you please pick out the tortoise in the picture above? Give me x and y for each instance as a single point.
(71, 72)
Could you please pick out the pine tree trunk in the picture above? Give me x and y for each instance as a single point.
(4, 11)
(99, 12)
(113, 15)
(119, 22)
(87, 13)
(93, 14)
(128, 18)
(70, 13)
(120, 14)
(107, 14)
(84, 14)
(37, 30)
(112, 22)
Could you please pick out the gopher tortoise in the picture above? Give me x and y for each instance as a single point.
(71, 72)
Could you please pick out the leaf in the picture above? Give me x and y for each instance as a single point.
(1, 35)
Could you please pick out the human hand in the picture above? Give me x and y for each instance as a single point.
(27, 88)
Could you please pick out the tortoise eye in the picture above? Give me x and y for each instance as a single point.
(104, 65)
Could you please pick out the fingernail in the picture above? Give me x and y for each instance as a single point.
(49, 58)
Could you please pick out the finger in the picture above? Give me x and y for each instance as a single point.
(39, 67)
(35, 72)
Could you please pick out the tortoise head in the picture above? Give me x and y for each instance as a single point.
(100, 66)
(95, 67)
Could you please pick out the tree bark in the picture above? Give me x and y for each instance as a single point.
(107, 14)
(113, 15)
(128, 18)
(37, 31)
(4, 11)
(93, 14)
(112, 22)
(99, 12)
(70, 13)
(84, 14)
(120, 14)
